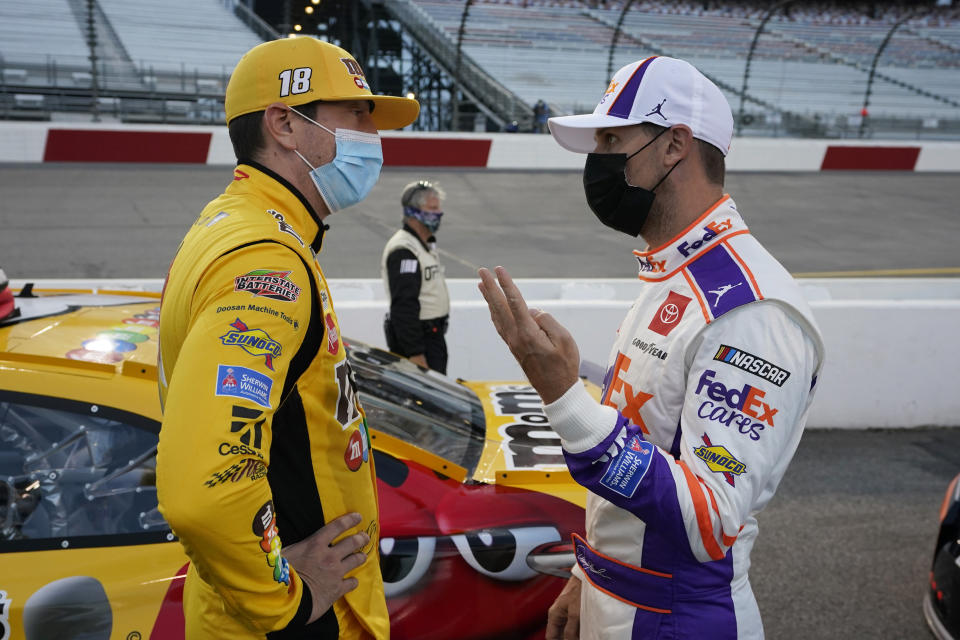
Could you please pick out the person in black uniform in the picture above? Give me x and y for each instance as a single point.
(414, 280)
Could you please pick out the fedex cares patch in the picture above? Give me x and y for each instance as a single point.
(625, 472)
(268, 283)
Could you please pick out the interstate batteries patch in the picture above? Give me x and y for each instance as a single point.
(268, 283)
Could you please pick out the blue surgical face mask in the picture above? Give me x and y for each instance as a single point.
(430, 219)
(350, 177)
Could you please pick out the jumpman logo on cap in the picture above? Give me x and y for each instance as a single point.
(656, 110)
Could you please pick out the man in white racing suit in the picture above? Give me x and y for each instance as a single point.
(709, 380)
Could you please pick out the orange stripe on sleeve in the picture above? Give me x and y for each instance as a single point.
(727, 540)
(702, 512)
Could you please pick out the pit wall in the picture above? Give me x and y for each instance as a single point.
(891, 355)
(112, 142)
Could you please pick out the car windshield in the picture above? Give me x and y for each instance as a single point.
(422, 408)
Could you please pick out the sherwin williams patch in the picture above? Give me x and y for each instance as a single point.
(627, 470)
(240, 382)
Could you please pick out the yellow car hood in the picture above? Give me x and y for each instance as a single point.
(105, 328)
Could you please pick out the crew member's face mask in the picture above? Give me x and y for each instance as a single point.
(350, 177)
(430, 219)
(616, 203)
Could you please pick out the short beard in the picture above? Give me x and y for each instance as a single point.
(658, 229)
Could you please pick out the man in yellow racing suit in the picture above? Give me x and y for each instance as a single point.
(263, 439)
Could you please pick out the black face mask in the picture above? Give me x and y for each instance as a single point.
(618, 205)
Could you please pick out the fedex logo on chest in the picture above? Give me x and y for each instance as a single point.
(711, 231)
(747, 399)
(631, 398)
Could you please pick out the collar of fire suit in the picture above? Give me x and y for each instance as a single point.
(428, 245)
(716, 225)
(251, 175)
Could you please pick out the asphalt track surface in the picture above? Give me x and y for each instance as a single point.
(116, 221)
(845, 545)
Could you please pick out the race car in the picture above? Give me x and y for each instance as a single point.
(477, 507)
(941, 602)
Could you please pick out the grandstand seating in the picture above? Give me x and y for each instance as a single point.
(27, 41)
(180, 35)
(560, 54)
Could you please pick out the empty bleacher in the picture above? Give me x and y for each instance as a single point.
(558, 51)
(174, 37)
(26, 41)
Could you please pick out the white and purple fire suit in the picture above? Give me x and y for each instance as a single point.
(708, 388)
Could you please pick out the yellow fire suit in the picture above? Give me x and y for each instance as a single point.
(263, 438)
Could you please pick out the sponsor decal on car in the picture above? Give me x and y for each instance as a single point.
(669, 313)
(627, 469)
(752, 364)
(256, 342)
(110, 345)
(743, 407)
(719, 460)
(124, 335)
(246, 468)
(241, 382)
(268, 283)
(712, 230)
(265, 528)
(528, 440)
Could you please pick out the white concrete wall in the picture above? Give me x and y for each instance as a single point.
(892, 359)
(30, 142)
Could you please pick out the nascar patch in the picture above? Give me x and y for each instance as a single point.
(752, 364)
(240, 382)
(624, 474)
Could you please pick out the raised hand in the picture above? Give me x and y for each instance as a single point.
(545, 350)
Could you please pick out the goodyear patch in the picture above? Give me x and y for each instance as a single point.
(719, 460)
(256, 342)
(625, 472)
